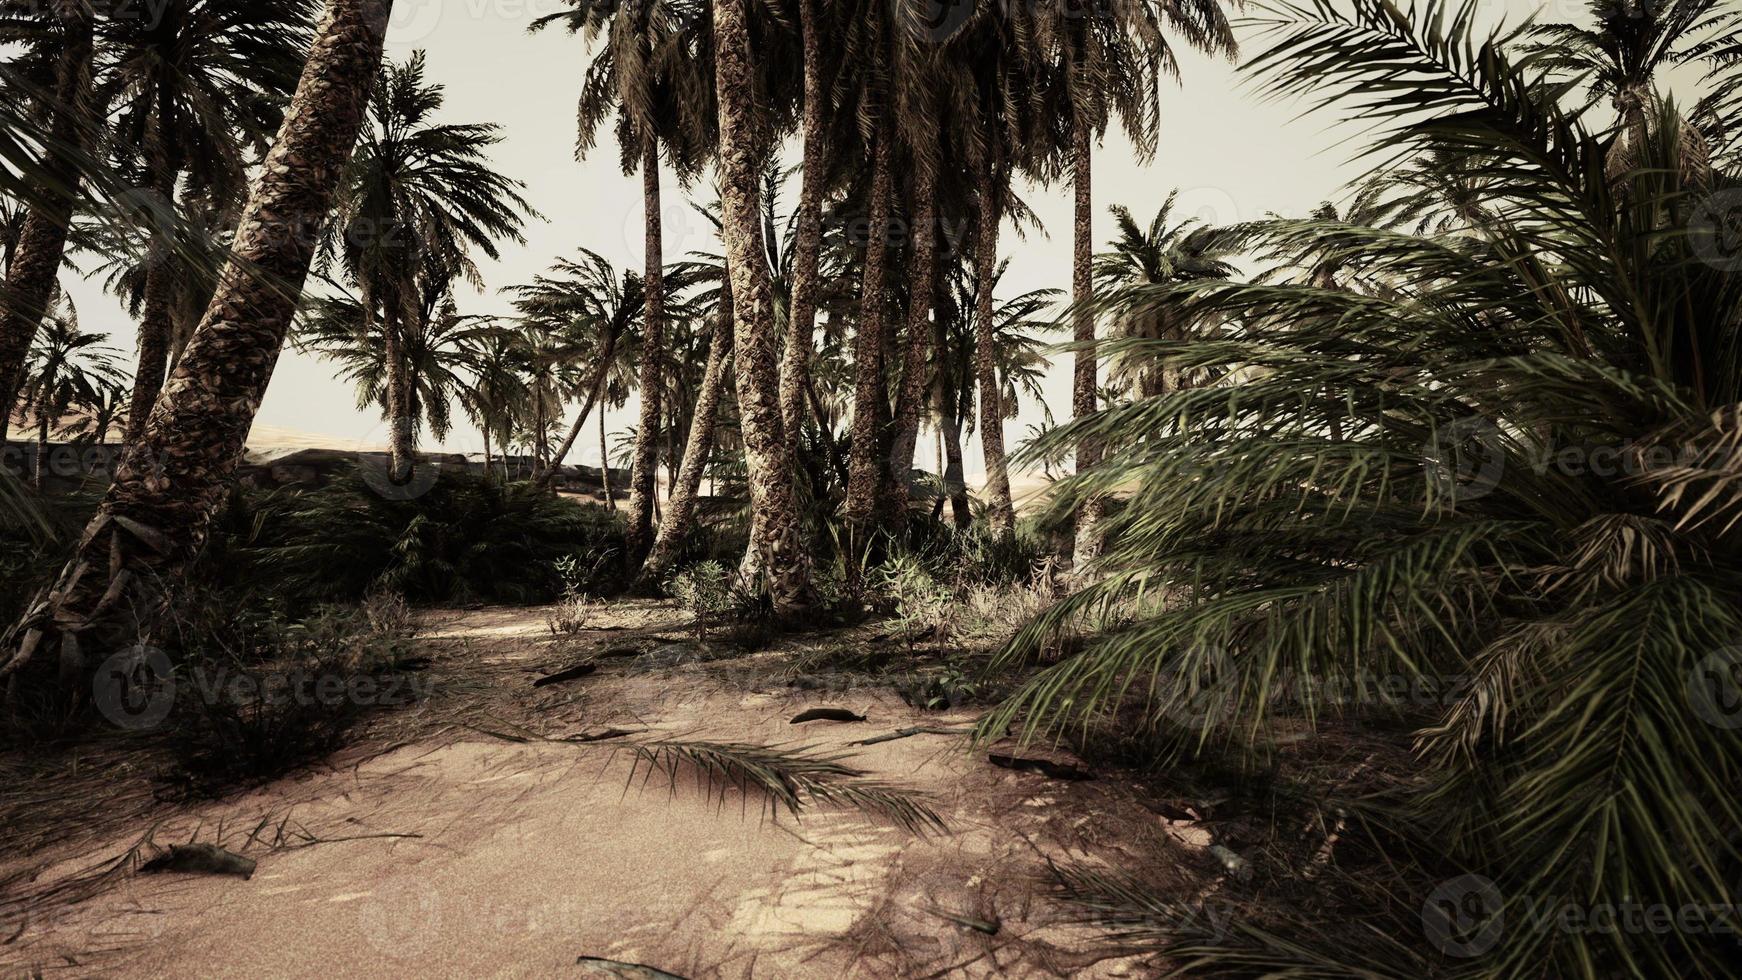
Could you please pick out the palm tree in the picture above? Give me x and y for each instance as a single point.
(555, 373)
(418, 198)
(192, 89)
(68, 371)
(1163, 252)
(95, 420)
(33, 261)
(1110, 65)
(434, 350)
(1619, 56)
(1016, 108)
(698, 451)
(650, 75)
(155, 516)
(815, 32)
(879, 129)
(778, 535)
(1530, 508)
(600, 311)
(496, 395)
(1016, 353)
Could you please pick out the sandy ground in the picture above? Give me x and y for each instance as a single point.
(520, 857)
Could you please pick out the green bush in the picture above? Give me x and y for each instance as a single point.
(258, 694)
(469, 539)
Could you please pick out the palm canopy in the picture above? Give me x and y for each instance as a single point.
(440, 349)
(420, 191)
(199, 83)
(1165, 251)
(1497, 461)
(1620, 53)
(652, 70)
(585, 299)
(68, 370)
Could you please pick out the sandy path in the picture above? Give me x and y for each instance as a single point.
(529, 855)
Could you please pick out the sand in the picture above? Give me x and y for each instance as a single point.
(529, 855)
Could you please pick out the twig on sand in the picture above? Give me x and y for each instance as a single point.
(604, 736)
(579, 670)
(911, 732)
(988, 926)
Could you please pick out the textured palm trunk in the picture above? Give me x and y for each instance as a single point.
(955, 477)
(777, 530)
(401, 416)
(595, 391)
(41, 474)
(910, 400)
(680, 513)
(643, 473)
(35, 263)
(801, 325)
(605, 465)
(1083, 382)
(866, 463)
(156, 515)
(1000, 512)
(157, 319)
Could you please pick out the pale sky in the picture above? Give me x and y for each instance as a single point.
(1232, 156)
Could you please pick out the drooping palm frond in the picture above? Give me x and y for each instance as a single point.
(1206, 933)
(1491, 460)
(792, 779)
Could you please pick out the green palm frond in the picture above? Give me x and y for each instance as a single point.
(791, 779)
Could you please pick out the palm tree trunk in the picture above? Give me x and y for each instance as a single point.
(401, 418)
(157, 512)
(681, 512)
(955, 482)
(922, 290)
(1000, 512)
(865, 469)
(643, 473)
(41, 446)
(1083, 386)
(778, 536)
(808, 244)
(605, 464)
(156, 323)
(34, 270)
(595, 391)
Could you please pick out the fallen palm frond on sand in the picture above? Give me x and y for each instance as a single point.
(791, 778)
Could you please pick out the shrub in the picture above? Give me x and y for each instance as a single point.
(469, 539)
(1495, 463)
(258, 695)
